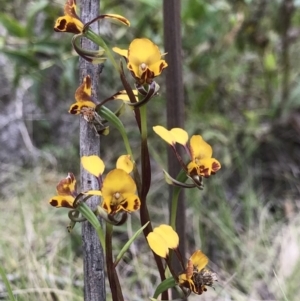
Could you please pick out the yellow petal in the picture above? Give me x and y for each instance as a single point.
(93, 192)
(143, 51)
(204, 167)
(68, 24)
(182, 278)
(62, 201)
(164, 134)
(131, 202)
(157, 244)
(93, 164)
(122, 52)
(124, 162)
(180, 135)
(125, 202)
(67, 186)
(199, 260)
(118, 181)
(169, 235)
(84, 91)
(158, 67)
(122, 95)
(118, 18)
(199, 148)
(76, 108)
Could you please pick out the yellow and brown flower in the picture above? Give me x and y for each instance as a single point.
(66, 192)
(144, 60)
(196, 277)
(118, 189)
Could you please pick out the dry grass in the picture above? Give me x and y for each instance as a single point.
(43, 262)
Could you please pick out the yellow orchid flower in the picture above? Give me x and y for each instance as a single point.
(196, 276)
(162, 239)
(118, 192)
(118, 188)
(83, 98)
(200, 152)
(70, 22)
(86, 106)
(66, 192)
(143, 60)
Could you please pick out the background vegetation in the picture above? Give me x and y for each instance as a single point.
(241, 75)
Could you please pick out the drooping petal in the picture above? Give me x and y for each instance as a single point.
(158, 244)
(67, 186)
(164, 134)
(93, 192)
(122, 95)
(168, 234)
(124, 162)
(122, 52)
(199, 148)
(199, 260)
(62, 201)
(93, 164)
(180, 135)
(118, 18)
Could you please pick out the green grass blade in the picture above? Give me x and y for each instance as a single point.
(166, 284)
(127, 245)
(7, 285)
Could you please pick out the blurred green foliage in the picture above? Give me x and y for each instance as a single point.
(242, 93)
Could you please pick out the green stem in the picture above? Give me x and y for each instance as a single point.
(99, 41)
(111, 117)
(90, 216)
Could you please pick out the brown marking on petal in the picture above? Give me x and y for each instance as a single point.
(74, 110)
(61, 26)
(161, 67)
(53, 203)
(71, 27)
(104, 206)
(63, 187)
(125, 205)
(194, 172)
(114, 208)
(215, 166)
(204, 171)
(136, 204)
(65, 204)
